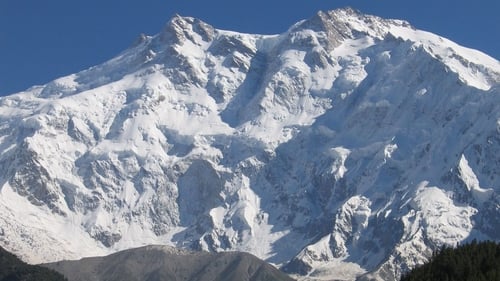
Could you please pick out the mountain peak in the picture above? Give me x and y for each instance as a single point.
(180, 28)
(346, 23)
(347, 142)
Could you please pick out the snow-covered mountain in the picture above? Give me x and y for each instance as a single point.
(348, 146)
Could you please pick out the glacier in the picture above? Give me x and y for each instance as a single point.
(348, 147)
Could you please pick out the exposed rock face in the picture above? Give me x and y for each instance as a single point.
(348, 145)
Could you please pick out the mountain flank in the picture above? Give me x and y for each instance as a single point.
(159, 263)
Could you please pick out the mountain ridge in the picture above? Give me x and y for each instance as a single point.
(157, 262)
(12, 268)
(334, 148)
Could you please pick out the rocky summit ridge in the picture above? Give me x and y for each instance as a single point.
(349, 146)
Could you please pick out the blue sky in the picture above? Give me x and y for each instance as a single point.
(43, 40)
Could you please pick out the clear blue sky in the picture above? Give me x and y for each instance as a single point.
(43, 40)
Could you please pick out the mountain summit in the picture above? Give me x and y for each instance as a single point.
(348, 146)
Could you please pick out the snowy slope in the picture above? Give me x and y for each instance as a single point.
(348, 146)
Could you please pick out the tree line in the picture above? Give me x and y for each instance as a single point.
(469, 262)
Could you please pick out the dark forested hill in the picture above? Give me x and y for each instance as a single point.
(471, 262)
(13, 269)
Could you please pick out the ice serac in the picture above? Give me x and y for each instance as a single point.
(347, 147)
